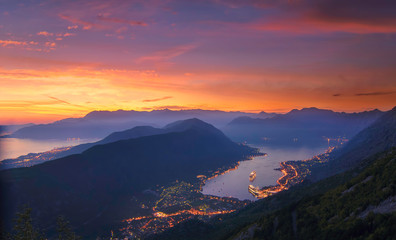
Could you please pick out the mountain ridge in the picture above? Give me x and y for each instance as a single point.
(305, 126)
(98, 124)
(104, 178)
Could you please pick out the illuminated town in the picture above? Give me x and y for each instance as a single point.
(179, 202)
(32, 158)
(175, 204)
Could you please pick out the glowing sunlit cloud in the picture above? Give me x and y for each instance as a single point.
(5, 43)
(68, 34)
(30, 46)
(249, 60)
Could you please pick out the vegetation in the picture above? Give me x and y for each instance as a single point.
(359, 209)
(25, 229)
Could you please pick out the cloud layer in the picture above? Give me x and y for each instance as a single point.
(68, 57)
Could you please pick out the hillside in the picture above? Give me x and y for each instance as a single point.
(378, 137)
(305, 126)
(95, 188)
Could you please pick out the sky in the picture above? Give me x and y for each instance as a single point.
(65, 58)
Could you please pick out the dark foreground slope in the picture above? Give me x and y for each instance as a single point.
(95, 189)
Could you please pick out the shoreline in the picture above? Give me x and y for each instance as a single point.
(294, 172)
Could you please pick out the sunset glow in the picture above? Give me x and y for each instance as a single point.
(63, 59)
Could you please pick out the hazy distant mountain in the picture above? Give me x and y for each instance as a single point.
(308, 125)
(97, 187)
(98, 124)
(9, 129)
(264, 115)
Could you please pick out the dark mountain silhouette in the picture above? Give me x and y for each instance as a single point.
(135, 132)
(305, 126)
(96, 188)
(193, 123)
(98, 124)
(36, 158)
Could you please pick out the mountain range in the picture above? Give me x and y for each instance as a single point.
(305, 126)
(97, 188)
(135, 132)
(98, 124)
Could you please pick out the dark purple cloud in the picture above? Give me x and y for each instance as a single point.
(374, 93)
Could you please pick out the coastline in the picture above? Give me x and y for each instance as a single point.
(294, 172)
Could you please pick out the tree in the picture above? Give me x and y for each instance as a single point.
(24, 229)
(64, 230)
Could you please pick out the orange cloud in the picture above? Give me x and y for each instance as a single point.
(5, 43)
(45, 33)
(237, 89)
(69, 34)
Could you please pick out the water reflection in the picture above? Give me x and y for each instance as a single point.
(15, 147)
(235, 183)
